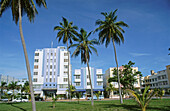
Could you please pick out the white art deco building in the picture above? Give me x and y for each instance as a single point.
(50, 71)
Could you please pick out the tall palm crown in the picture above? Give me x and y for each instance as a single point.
(3, 86)
(19, 8)
(13, 85)
(27, 7)
(84, 46)
(66, 31)
(110, 29)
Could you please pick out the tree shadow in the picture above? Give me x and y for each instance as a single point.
(17, 106)
(134, 107)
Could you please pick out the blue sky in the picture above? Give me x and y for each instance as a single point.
(146, 40)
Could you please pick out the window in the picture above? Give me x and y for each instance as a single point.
(50, 79)
(54, 79)
(51, 60)
(54, 60)
(65, 54)
(155, 79)
(46, 85)
(36, 60)
(65, 66)
(53, 84)
(54, 66)
(159, 77)
(47, 60)
(87, 76)
(35, 66)
(156, 84)
(55, 54)
(50, 73)
(99, 76)
(51, 66)
(65, 60)
(46, 80)
(54, 73)
(63, 86)
(88, 83)
(50, 84)
(36, 54)
(77, 77)
(65, 72)
(99, 83)
(47, 66)
(163, 76)
(152, 80)
(136, 82)
(34, 79)
(35, 73)
(77, 83)
(65, 79)
(46, 73)
(51, 54)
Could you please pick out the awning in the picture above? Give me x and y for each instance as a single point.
(37, 92)
(98, 89)
(61, 92)
(80, 90)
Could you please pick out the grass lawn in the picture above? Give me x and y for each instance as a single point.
(112, 105)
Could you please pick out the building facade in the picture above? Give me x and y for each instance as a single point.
(7, 79)
(82, 82)
(161, 79)
(109, 73)
(50, 71)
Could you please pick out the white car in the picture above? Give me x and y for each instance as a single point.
(19, 100)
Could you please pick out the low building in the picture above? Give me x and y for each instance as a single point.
(161, 79)
(22, 81)
(82, 82)
(109, 73)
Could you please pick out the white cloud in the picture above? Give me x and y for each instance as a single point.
(139, 54)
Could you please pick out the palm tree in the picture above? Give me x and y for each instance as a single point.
(13, 86)
(144, 99)
(3, 86)
(160, 93)
(54, 100)
(66, 32)
(71, 89)
(84, 47)
(98, 94)
(78, 96)
(110, 30)
(19, 8)
(110, 88)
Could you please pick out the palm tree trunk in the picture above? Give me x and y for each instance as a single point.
(1, 92)
(120, 93)
(68, 72)
(26, 59)
(92, 103)
(144, 108)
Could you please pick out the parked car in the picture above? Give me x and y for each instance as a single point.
(4, 100)
(37, 98)
(19, 100)
(95, 98)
